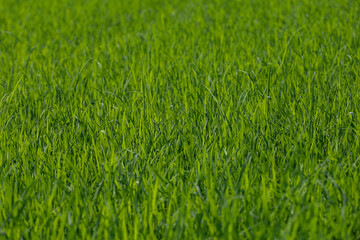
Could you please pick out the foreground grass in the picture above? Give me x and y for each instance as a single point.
(179, 119)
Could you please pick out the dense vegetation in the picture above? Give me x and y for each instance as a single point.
(182, 119)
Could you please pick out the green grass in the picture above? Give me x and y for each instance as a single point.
(182, 119)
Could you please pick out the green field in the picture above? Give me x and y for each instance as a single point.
(183, 119)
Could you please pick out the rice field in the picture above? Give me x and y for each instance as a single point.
(183, 119)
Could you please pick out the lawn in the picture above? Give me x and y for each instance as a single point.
(182, 119)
